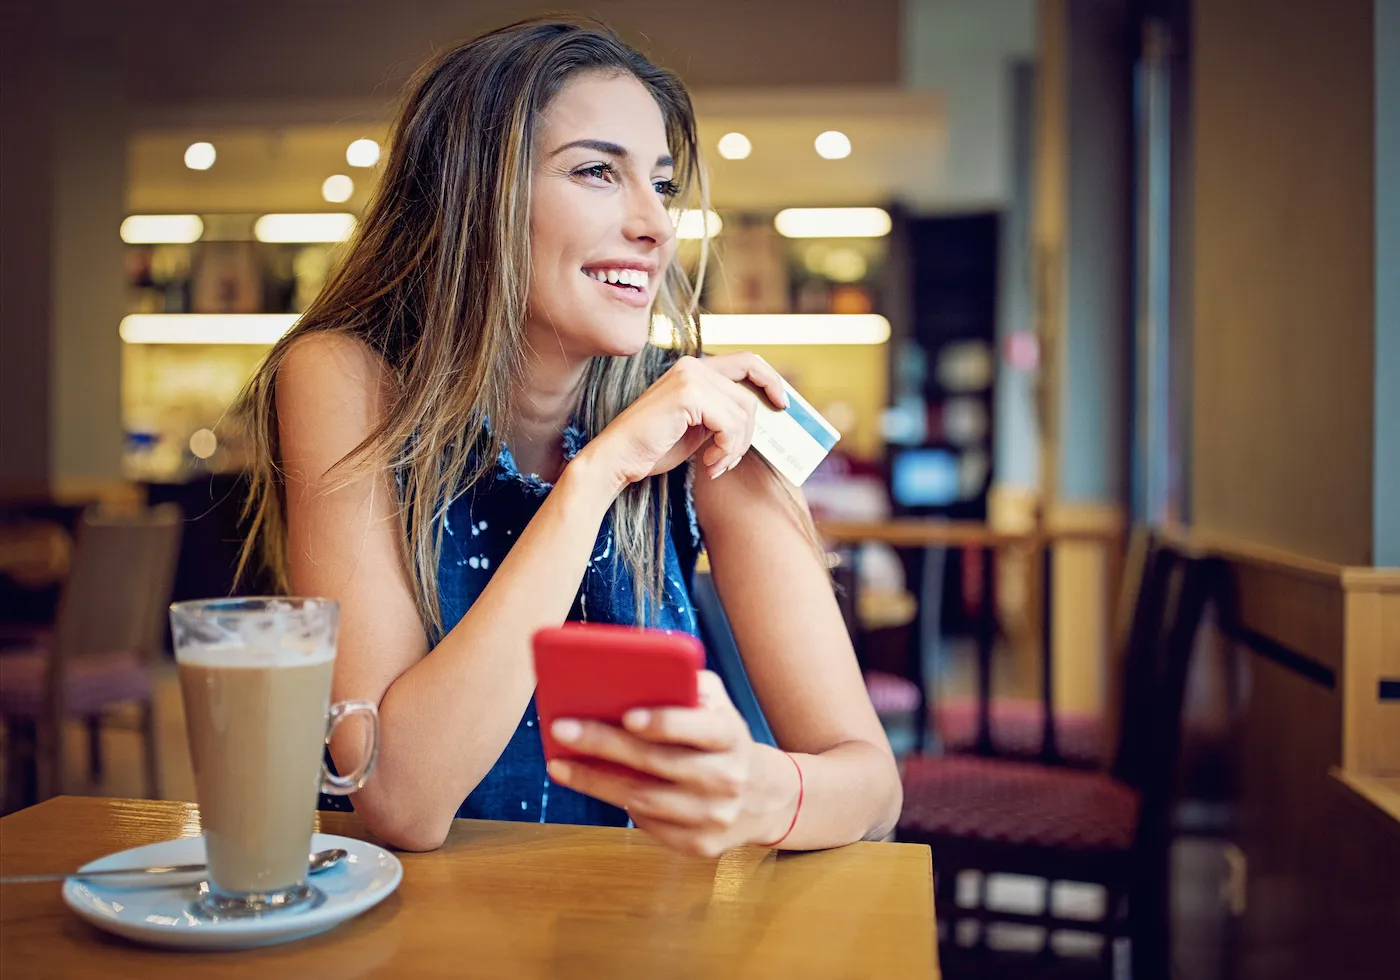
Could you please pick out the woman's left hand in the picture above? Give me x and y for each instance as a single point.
(715, 788)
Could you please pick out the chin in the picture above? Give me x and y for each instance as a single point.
(622, 339)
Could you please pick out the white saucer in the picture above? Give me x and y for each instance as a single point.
(161, 915)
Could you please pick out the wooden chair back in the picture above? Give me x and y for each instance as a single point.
(115, 599)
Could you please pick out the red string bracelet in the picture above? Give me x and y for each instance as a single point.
(801, 789)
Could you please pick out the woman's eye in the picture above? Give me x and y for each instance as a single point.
(666, 188)
(599, 171)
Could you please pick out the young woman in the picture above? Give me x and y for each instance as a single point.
(469, 436)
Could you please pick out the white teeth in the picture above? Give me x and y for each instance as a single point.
(627, 277)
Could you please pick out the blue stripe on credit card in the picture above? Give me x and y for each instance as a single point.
(824, 436)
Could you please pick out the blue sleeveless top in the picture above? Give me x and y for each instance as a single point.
(482, 524)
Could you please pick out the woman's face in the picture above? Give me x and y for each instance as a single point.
(600, 234)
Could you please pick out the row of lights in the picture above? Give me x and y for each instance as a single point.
(830, 145)
(158, 229)
(336, 189)
(182, 229)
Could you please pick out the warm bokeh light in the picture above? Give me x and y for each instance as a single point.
(200, 156)
(734, 146)
(762, 329)
(362, 153)
(337, 188)
(324, 227)
(832, 222)
(203, 443)
(833, 145)
(844, 265)
(206, 328)
(698, 224)
(162, 229)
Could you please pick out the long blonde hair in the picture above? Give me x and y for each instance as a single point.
(435, 280)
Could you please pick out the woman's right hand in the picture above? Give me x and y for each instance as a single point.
(695, 402)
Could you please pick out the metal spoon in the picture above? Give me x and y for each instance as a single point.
(320, 861)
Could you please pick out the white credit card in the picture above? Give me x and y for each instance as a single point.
(794, 440)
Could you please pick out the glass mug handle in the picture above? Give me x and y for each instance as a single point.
(332, 784)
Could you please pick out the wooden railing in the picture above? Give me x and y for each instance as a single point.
(988, 543)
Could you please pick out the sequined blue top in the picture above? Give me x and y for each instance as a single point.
(481, 526)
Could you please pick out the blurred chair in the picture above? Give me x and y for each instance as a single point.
(900, 699)
(109, 625)
(1112, 829)
(1018, 724)
(34, 555)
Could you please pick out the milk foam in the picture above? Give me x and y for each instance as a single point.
(261, 656)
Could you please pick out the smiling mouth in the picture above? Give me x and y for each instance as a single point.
(633, 280)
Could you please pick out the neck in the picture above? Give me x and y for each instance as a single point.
(540, 412)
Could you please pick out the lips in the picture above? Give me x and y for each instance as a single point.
(629, 287)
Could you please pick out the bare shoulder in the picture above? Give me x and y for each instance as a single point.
(331, 391)
(331, 362)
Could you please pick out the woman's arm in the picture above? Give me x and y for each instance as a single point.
(716, 787)
(778, 598)
(447, 714)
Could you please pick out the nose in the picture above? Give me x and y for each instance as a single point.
(647, 219)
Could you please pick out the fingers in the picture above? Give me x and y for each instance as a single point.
(728, 412)
(595, 781)
(707, 770)
(683, 809)
(725, 408)
(695, 728)
(715, 726)
(731, 443)
(687, 840)
(745, 366)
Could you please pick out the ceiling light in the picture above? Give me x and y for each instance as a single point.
(160, 229)
(832, 223)
(362, 153)
(326, 227)
(833, 145)
(698, 224)
(200, 156)
(763, 329)
(734, 146)
(337, 188)
(206, 328)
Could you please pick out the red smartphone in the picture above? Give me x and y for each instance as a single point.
(599, 672)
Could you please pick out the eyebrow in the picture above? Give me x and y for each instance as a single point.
(612, 149)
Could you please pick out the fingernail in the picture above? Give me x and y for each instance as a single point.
(637, 719)
(560, 771)
(567, 730)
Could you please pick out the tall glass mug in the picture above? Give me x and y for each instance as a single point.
(256, 680)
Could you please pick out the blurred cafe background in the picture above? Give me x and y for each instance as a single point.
(1066, 274)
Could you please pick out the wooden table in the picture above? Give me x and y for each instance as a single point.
(508, 900)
